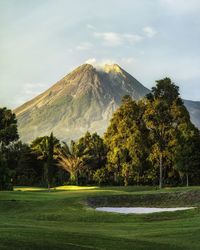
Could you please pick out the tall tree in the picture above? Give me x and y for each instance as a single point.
(8, 134)
(5, 173)
(126, 139)
(8, 126)
(187, 155)
(164, 116)
(22, 163)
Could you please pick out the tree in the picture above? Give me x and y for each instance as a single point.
(5, 173)
(187, 153)
(22, 163)
(69, 161)
(46, 149)
(126, 140)
(164, 116)
(8, 126)
(92, 149)
(8, 134)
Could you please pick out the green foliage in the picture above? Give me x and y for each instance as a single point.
(165, 117)
(126, 141)
(8, 134)
(5, 173)
(46, 149)
(92, 150)
(70, 162)
(187, 161)
(101, 176)
(23, 163)
(8, 126)
(83, 158)
(153, 140)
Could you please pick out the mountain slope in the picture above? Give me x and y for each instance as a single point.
(83, 100)
(194, 109)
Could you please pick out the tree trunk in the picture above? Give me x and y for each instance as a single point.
(46, 175)
(49, 188)
(73, 178)
(126, 180)
(187, 178)
(161, 171)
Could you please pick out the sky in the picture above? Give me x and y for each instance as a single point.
(43, 40)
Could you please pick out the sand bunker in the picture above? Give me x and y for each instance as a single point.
(140, 210)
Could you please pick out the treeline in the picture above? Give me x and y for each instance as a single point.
(148, 142)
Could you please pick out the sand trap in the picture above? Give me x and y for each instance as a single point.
(140, 210)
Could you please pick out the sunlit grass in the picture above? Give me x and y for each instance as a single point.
(24, 188)
(59, 188)
(74, 188)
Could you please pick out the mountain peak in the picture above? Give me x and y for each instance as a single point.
(112, 68)
(84, 67)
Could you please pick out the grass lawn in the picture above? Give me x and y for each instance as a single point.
(33, 218)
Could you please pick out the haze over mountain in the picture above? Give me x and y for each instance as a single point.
(84, 100)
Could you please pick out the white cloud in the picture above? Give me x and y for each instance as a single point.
(124, 62)
(149, 31)
(99, 63)
(84, 46)
(91, 61)
(116, 39)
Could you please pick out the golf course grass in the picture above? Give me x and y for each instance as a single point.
(65, 218)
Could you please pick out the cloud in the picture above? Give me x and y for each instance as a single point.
(116, 39)
(149, 31)
(84, 46)
(99, 63)
(124, 61)
(91, 61)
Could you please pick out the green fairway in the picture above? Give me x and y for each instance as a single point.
(34, 218)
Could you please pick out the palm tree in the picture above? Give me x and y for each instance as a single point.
(70, 162)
